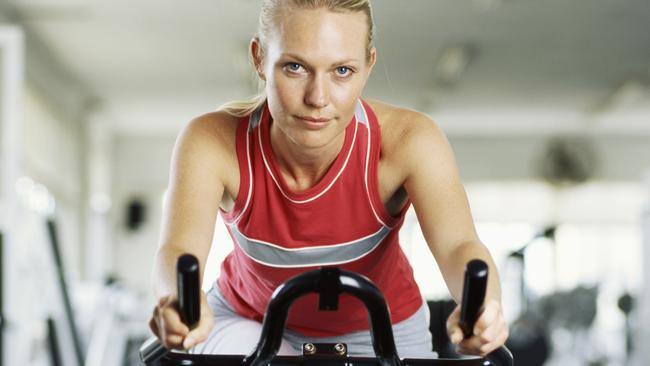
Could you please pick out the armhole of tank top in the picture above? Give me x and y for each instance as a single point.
(242, 140)
(382, 214)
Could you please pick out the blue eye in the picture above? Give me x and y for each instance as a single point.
(343, 71)
(293, 67)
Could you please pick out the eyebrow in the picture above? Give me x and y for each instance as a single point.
(302, 60)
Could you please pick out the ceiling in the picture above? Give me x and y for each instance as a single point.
(153, 64)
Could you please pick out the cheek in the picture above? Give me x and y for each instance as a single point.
(284, 89)
(345, 95)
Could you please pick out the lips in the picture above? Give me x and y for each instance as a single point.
(314, 119)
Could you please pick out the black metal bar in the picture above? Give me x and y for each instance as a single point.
(53, 343)
(474, 287)
(188, 291)
(188, 287)
(378, 316)
(351, 283)
(176, 359)
(54, 241)
(329, 288)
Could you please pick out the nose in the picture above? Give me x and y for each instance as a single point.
(317, 93)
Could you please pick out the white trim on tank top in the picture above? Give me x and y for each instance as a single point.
(345, 163)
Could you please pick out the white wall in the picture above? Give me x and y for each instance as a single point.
(53, 159)
(44, 147)
(517, 157)
(140, 170)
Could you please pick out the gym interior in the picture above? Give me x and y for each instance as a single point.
(545, 103)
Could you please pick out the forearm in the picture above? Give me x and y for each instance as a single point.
(164, 268)
(453, 270)
(164, 271)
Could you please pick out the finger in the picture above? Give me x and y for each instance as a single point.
(498, 341)
(453, 318)
(488, 316)
(153, 325)
(200, 333)
(172, 341)
(492, 331)
(492, 324)
(476, 345)
(171, 322)
(163, 300)
(455, 335)
(454, 331)
(470, 346)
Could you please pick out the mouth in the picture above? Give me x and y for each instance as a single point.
(314, 122)
(314, 119)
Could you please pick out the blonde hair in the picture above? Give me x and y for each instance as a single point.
(272, 10)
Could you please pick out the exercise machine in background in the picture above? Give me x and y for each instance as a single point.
(115, 326)
(65, 297)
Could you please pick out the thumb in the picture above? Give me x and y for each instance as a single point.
(453, 329)
(200, 333)
(455, 334)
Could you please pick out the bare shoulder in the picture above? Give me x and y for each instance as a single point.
(404, 131)
(215, 130)
(206, 152)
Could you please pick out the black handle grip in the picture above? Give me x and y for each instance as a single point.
(187, 281)
(189, 302)
(476, 274)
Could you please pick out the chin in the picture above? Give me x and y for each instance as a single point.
(313, 139)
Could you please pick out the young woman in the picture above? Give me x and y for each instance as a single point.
(308, 175)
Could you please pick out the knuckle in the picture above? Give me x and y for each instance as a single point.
(162, 300)
(451, 325)
(479, 330)
(153, 326)
(172, 340)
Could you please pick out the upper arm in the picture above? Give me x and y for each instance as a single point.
(434, 187)
(196, 185)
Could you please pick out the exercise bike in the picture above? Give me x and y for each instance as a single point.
(329, 283)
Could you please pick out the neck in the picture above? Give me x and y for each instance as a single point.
(303, 167)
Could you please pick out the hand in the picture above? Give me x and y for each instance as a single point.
(166, 324)
(490, 331)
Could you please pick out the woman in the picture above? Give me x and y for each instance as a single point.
(309, 175)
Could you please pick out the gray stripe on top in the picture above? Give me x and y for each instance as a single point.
(360, 113)
(276, 256)
(255, 118)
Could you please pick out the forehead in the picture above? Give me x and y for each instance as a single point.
(319, 34)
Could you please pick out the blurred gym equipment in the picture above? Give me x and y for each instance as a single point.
(63, 286)
(529, 335)
(626, 305)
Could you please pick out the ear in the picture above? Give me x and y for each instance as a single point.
(257, 54)
(372, 60)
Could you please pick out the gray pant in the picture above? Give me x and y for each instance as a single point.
(234, 334)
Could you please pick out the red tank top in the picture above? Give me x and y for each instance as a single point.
(341, 221)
